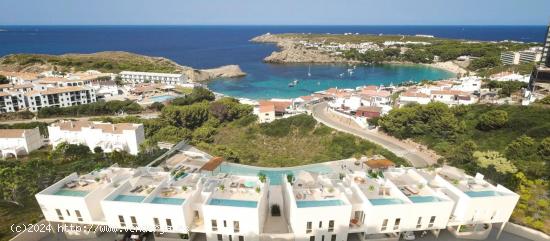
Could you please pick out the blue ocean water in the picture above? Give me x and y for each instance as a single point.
(212, 46)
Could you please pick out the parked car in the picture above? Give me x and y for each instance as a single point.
(408, 236)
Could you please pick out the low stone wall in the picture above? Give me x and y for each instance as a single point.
(526, 232)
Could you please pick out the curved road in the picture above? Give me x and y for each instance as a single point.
(410, 153)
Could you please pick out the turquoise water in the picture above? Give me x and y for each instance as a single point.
(273, 81)
(386, 201)
(249, 183)
(129, 198)
(424, 199)
(483, 193)
(319, 203)
(275, 176)
(165, 200)
(233, 203)
(162, 98)
(71, 193)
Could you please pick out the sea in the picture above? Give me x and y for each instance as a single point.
(213, 46)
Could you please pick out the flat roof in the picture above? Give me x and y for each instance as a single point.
(212, 164)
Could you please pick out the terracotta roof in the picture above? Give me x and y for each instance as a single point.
(61, 90)
(379, 93)
(448, 92)
(370, 87)
(415, 94)
(379, 163)
(20, 75)
(6, 85)
(105, 127)
(370, 109)
(4, 93)
(280, 106)
(212, 164)
(306, 97)
(266, 107)
(12, 133)
(52, 80)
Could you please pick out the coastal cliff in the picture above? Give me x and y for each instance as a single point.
(111, 62)
(291, 52)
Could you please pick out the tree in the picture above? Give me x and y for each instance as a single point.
(4, 80)
(172, 134)
(98, 150)
(496, 160)
(157, 106)
(188, 116)
(463, 154)
(228, 109)
(493, 119)
(522, 148)
(204, 134)
(198, 94)
(484, 62)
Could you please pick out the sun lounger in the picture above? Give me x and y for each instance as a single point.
(70, 185)
(412, 189)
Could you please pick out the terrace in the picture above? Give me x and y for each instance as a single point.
(413, 185)
(472, 186)
(240, 188)
(377, 190)
(190, 160)
(316, 190)
(82, 185)
(141, 186)
(177, 191)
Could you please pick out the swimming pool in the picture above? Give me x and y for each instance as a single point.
(129, 198)
(71, 193)
(424, 199)
(483, 193)
(275, 176)
(385, 201)
(162, 98)
(233, 203)
(319, 203)
(166, 200)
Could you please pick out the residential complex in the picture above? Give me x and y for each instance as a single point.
(193, 194)
(149, 77)
(16, 142)
(110, 137)
(532, 55)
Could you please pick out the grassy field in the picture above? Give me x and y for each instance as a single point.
(111, 62)
(293, 141)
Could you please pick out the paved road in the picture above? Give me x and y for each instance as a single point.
(401, 149)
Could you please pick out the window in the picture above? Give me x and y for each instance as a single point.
(322, 237)
(169, 224)
(331, 226)
(236, 227)
(333, 237)
(432, 220)
(157, 223)
(220, 237)
(78, 216)
(308, 227)
(68, 213)
(214, 225)
(311, 238)
(419, 222)
(134, 221)
(396, 225)
(241, 238)
(384, 225)
(121, 220)
(224, 224)
(230, 238)
(320, 224)
(59, 214)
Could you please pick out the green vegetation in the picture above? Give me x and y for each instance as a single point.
(112, 62)
(508, 144)
(93, 109)
(20, 115)
(4, 80)
(42, 126)
(506, 88)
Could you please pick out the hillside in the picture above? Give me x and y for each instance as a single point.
(110, 62)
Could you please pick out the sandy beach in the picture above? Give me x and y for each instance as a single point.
(449, 66)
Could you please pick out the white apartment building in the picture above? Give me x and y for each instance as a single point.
(225, 204)
(526, 56)
(145, 77)
(16, 142)
(110, 137)
(509, 58)
(59, 97)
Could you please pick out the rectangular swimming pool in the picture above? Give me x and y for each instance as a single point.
(483, 193)
(319, 203)
(275, 176)
(386, 201)
(166, 200)
(424, 199)
(233, 203)
(129, 198)
(71, 193)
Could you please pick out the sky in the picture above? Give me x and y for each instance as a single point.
(274, 12)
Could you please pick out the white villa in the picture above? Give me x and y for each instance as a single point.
(216, 201)
(110, 137)
(16, 142)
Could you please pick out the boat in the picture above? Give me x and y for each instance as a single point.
(293, 83)
(309, 71)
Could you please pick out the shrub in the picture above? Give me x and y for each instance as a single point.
(492, 120)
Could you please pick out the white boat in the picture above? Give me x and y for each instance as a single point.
(293, 83)
(309, 71)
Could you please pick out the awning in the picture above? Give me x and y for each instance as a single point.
(212, 164)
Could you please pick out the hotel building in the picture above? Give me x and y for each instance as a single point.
(110, 137)
(217, 201)
(149, 77)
